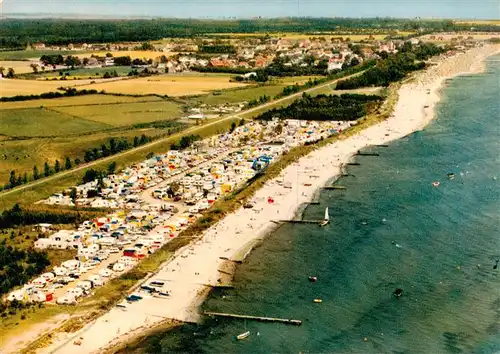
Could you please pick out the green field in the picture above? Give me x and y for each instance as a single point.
(123, 114)
(38, 122)
(84, 73)
(28, 54)
(86, 100)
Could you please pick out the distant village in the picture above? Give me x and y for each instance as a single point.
(179, 55)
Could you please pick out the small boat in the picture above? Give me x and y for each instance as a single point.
(312, 279)
(398, 292)
(318, 301)
(450, 176)
(435, 184)
(243, 335)
(327, 218)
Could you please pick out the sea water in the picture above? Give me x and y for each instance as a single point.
(391, 228)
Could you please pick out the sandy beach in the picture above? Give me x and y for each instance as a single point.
(195, 268)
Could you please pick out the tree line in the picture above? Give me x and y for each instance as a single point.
(68, 92)
(17, 33)
(326, 107)
(32, 215)
(394, 67)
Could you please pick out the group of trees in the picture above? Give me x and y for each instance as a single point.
(217, 49)
(185, 142)
(326, 107)
(16, 179)
(10, 72)
(257, 101)
(18, 266)
(393, 68)
(115, 146)
(109, 75)
(31, 215)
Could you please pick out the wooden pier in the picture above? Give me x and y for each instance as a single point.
(335, 186)
(255, 318)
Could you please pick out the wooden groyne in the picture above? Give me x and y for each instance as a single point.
(335, 186)
(359, 153)
(302, 221)
(254, 318)
(353, 164)
(383, 145)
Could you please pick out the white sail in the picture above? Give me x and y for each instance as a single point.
(327, 217)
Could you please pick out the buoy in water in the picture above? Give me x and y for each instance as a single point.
(398, 292)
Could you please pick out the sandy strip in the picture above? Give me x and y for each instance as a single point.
(195, 267)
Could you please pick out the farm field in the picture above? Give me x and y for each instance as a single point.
(477, 22)
(19, 66)
(171, 85)
(328, 36)
(80, 73)
(448, 37)
(13, 87)
(78, 101)
(37, 122)
(123, 114)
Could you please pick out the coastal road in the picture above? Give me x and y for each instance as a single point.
(191, 130)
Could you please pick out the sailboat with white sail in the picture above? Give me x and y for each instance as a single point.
(327, 218)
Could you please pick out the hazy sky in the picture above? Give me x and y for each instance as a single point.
(489, 9)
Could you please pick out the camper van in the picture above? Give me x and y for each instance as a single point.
(75, 292)
(66, 300)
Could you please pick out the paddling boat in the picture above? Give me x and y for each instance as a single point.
(312, 279)
(435, 184)
(318, 301)
(243, 335)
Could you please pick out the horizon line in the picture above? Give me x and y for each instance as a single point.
(38, 15)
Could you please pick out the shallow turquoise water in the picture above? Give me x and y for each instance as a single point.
(448, 239)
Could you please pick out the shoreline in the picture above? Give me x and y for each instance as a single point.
(414, 109)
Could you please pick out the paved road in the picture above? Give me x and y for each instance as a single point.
(191, 130)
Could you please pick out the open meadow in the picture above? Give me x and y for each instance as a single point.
(171, 85)
(14, 87)
(38, 131)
